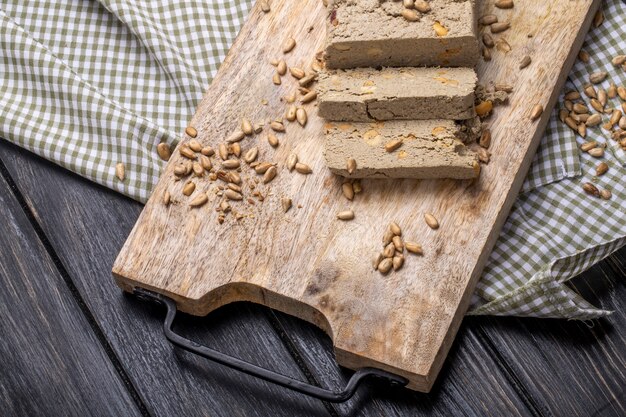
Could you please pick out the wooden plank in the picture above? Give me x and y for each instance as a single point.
(86, 226)
(309, 264)
(470, 380)
(577, 369)
(52, 362)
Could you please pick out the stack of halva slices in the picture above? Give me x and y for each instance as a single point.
(398, 88)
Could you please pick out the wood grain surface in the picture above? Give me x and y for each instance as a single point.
(51, 363)
(487, 373)
(307, 263)
(86, 225)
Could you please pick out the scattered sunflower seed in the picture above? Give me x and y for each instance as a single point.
(120, 171)
(164, 151)
(199, 201)
(345, 215)
(303, 168)
(431, 221)
(191, 131)
(286, 203)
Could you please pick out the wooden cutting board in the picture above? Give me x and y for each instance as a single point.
(306, 262)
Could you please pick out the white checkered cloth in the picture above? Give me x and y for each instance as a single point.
(88, 84)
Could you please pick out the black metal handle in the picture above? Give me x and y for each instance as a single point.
(262, 373)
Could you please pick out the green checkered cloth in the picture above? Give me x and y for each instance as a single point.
(88, 84)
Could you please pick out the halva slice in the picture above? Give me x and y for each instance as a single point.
(367, 94)
(423, 149)
(372, 33)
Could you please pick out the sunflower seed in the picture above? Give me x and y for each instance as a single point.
(594, 120)
(397, 262)
(281, 68)
(504, 4)
(385, 266)
(602, 97)
(187, 153)
(431, 221)
(277, 126)
(583, 56)
(231, 164)
(499, 27)
(236, 136)
(233, 195)
(192, 132)
(198, 171)
(597, 106)
(488, 19)
(207, 151)
(377, 260)
(120, 171)
(616, 116)
(308, 97)
(297, 72)
(180, 170)
(251, 155)
(601, 169)
(393, 145)
(270, 174)
(303, 168)
(347, 190)
(289, 45)
(265, 6)
(587, 146)
(598, 77)
(301, 116)
(164, 151)
(410, 15)
(189, 188)
(307, 80)
(572, 95)
(167, 198)
(262, 167)
(199, 201)
(273, 140)
(596, 152)
(618, 60)
(286, 203)
(591, 189)
(598, 18)
(351, 165)
(222, 150)
(345, 215)
(276, 79)
(388, 236)
(536, 112)
(291, 113)
(526, 61)
(194, 145)
(246, 127)
(292, 160)
(397, 243)
(606, 194)
(590, 91)
(414, 248)
(389, 250)
(235, 149)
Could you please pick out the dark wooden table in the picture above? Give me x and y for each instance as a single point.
(71, 344)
